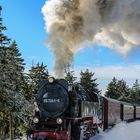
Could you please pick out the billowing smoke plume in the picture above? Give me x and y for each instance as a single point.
(70, 23)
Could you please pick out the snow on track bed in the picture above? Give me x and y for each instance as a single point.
(121, 131)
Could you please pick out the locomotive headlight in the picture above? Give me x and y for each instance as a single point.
(59, 120)
(35, 120)
(51, 80)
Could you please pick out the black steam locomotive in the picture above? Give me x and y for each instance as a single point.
(67, 112)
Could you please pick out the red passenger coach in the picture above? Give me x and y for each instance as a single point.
(111, 112)
(115, 111)
(128, 110)
(137, 112)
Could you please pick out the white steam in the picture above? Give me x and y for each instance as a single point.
(70, 23)
(122, 131)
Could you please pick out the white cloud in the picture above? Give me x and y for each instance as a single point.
(125, 72)
(105, 74)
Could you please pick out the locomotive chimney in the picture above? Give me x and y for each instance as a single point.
(70, 87)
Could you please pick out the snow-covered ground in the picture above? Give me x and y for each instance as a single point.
(121, 131)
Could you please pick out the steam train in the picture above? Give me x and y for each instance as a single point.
(66, 111)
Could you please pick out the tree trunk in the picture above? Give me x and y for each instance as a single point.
(0, 133)
(2, 129)
(11, 127)
(2, 137)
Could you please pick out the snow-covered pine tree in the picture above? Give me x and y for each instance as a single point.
(112, 89)
(36, 74)
(88, 81)
(13, 105)
(135, 93)
(4, 42)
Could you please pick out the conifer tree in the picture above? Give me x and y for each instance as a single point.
(11, 78)
(36, 75)
(135, 92)
(112, 89)
(4, 42)
(88, 81)
(123, 90)
(12, 83)
(118, 89)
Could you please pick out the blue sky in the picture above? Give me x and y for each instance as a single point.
(26, 25)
